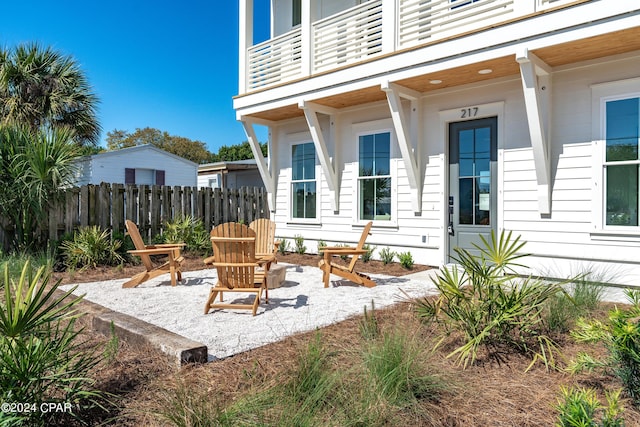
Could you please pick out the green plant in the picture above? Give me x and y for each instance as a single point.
(581, 407)
(283, 248)
(299, 247)
(581, 296)
(393, 367)
(41, 356)
(387, 255)
(91, 247)
(321, 245)
(621, 336)
(112, 346)
(406, 260)
(368, 325)
(189, 230)
(367, 256)
(485, 299)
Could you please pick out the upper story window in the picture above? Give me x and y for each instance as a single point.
(621, 162)
(374, 177)
(296, 7)
(303, 181)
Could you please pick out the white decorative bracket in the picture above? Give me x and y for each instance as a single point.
(536, 84)
(311, 111)
(263, 167)
(408, 134)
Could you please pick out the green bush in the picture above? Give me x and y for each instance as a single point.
(188, 230)
(485, 299)
(91, 247)
(42, 359)
(321, 245)
(621, 336)
(367, 256)
(299, 248)
(387, 255)
(283, 248)
(406, 260)
(581, 407)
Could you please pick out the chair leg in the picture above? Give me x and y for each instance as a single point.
(212, 297)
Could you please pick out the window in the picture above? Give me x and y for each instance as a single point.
(297, 13)
(144, 176)
(621, 162)
(374, 177)
(303, 181)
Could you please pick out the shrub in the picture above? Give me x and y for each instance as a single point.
(387, 255)
(367, 256)
(621, 337)
(188, 230)
(41, 358)
(580, 407)
(406, 260)
(321, 245)
(368, 325)
(283, 248)
(490, 304)
(300, 248)
(91, 247)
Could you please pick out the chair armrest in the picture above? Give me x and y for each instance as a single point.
(234, 264)
(344, 251)
(167, 245)
(154, 251)
(209, 260)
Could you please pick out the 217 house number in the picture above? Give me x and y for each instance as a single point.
(466, 113)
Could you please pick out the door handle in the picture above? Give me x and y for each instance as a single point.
(450, 230)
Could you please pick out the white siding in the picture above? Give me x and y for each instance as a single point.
(110, 167)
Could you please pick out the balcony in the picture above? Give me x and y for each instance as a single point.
(374, 29)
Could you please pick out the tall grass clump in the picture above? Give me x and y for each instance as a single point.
(387, 255)
(485, 300)
(321, 245)
(367, 256)
(393, 365)
(621, 337)
(283, 248)
(299, 245)
(42, 356)
(91, 247)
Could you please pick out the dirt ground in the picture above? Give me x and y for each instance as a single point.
(491, 392)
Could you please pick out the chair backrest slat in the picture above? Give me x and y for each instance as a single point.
(265, 230)
(363, 238)
(136, 238)
(234, 243)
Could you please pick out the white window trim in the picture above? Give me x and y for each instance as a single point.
(602, 93)
(298, 139)
(370, 128)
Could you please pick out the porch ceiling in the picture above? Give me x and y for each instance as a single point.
(618, 42)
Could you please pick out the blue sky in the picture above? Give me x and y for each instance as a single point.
(166, 64)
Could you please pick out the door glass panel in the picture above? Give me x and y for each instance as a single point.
(475, 176)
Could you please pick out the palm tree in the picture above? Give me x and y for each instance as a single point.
(41, 87)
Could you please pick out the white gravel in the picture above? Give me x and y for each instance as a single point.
(301, 304)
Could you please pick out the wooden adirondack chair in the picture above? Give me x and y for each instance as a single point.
(266, 243)
(235, 261)
(171, 266)
(348, 272)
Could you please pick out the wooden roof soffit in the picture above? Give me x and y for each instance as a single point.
(408, 134)
(536, 84)
(263, 168)
(311, 111)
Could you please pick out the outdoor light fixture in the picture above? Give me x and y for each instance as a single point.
(435, 81)
(485, 71)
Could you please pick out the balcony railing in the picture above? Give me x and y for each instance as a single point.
(361, 32)
(348, 37)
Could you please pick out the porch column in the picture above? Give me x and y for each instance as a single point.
(389, 25)
(536, 84)
(245, 36)
(306, 33)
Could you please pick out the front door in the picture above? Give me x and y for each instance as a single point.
(472, 182)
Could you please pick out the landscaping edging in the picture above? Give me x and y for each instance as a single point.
(134, 331)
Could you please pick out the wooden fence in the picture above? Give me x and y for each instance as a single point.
(150, 206)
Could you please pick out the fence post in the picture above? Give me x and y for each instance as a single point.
(117, 208)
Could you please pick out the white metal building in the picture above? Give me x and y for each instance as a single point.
(442, 120)
(142, 164)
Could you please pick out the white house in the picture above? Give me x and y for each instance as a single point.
(442, 120)
(232, 174)
(142, 164)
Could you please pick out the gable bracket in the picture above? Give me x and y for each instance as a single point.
(536, 84)
(263, 167)
(408, 134)
(311, 111)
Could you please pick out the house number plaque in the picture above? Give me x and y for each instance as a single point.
(467, 113)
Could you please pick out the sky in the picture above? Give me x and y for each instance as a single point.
(166, 64)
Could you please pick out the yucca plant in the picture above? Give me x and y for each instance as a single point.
(42, 358)
(189, 230)
(91, 247)
(485, 299)
(581, 408)
(387, 255)
(299, 246)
